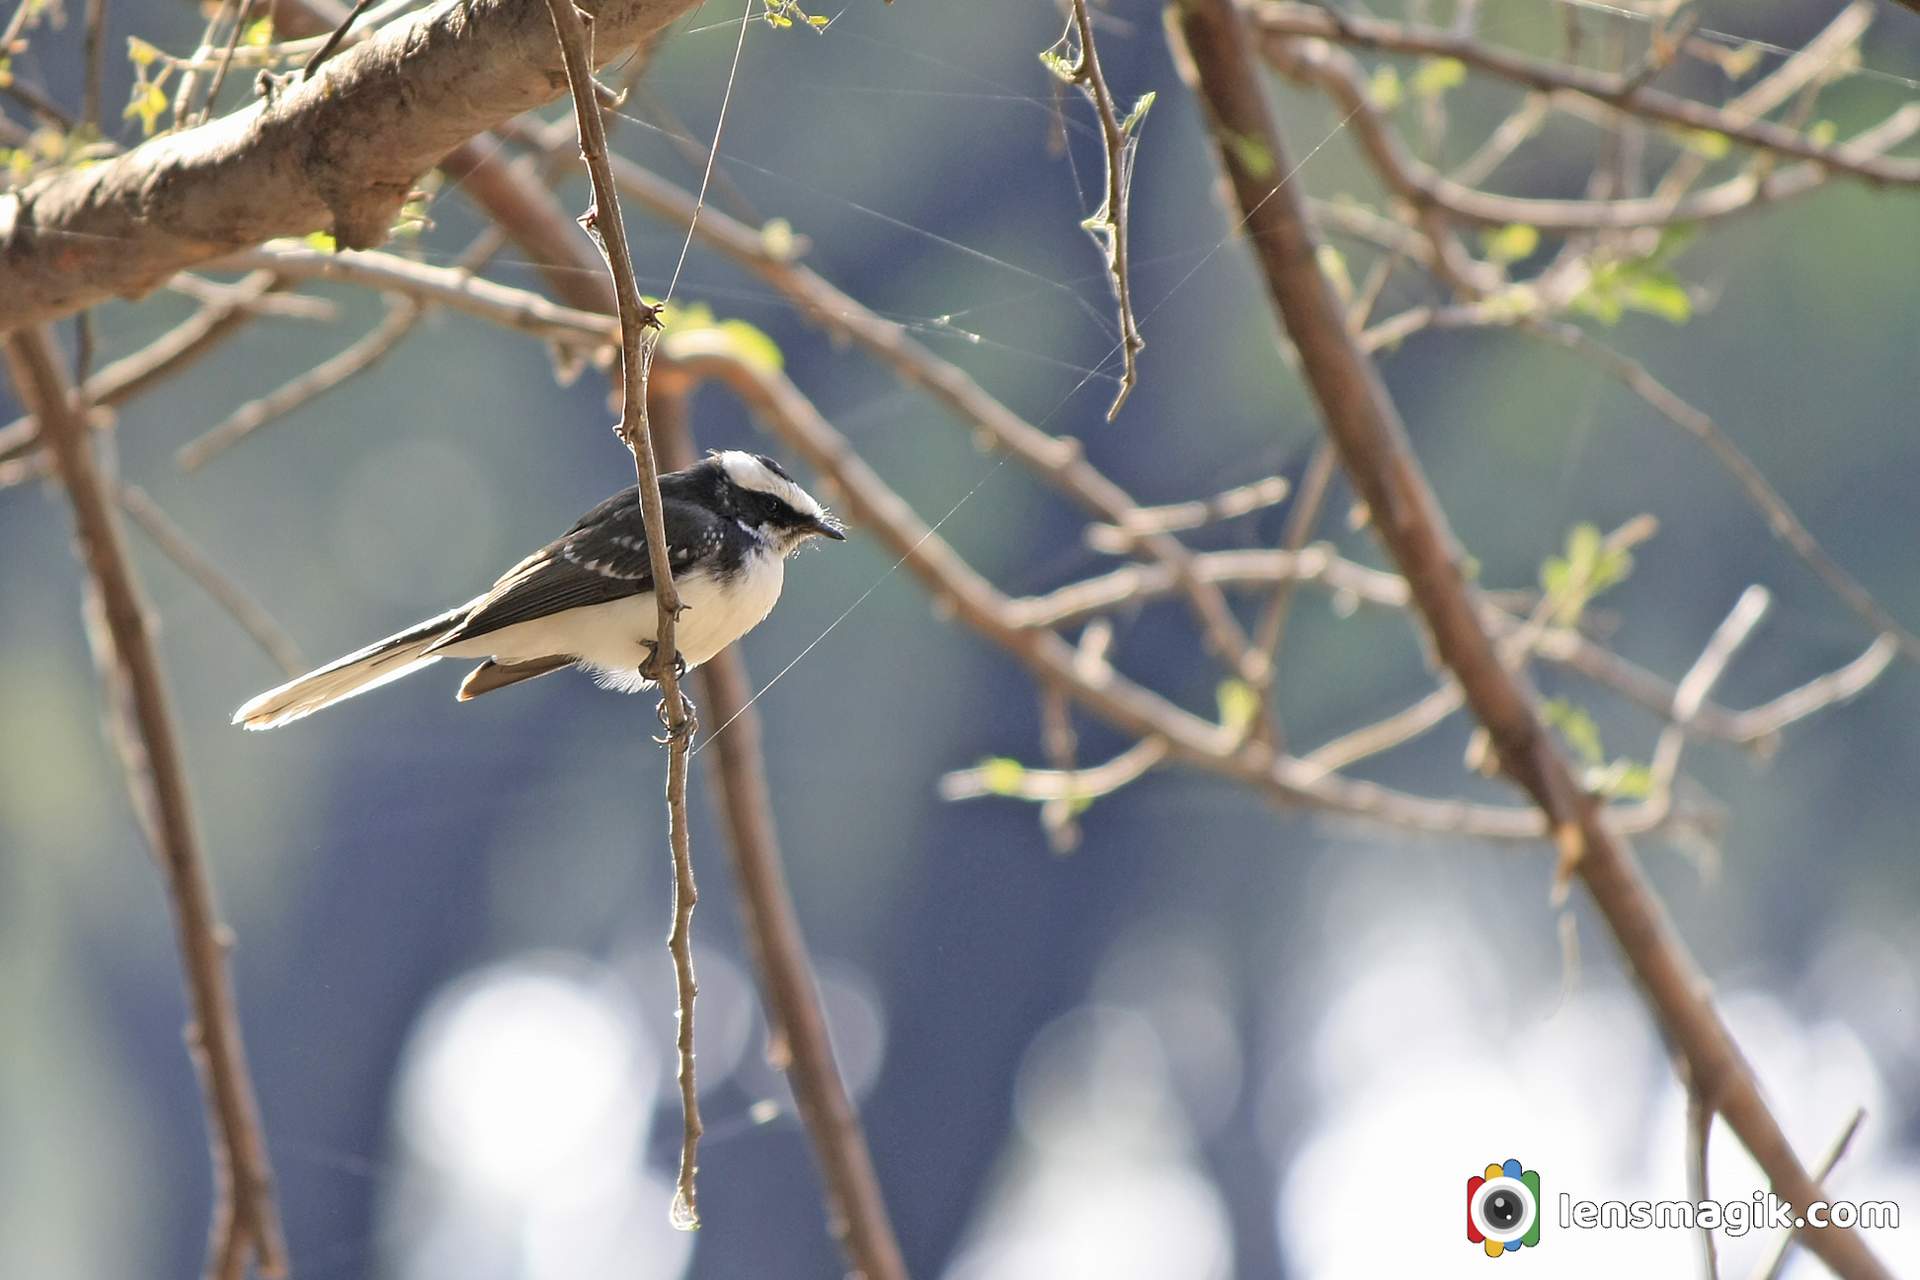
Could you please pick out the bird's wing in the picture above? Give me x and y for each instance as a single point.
(602, 559)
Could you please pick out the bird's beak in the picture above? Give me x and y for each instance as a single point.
(826, 528)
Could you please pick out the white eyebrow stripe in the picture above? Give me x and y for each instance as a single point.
(749, 472)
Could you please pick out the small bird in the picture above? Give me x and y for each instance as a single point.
(587, 598)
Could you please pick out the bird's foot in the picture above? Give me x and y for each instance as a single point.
(651, 667)
(680, 728)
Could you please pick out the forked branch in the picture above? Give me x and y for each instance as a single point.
(246, 1224)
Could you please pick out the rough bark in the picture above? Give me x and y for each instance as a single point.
(339, 152)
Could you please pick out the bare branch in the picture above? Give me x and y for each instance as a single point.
(1294, 21)
(1338, 74)
(1119, 539)
(366, 351)
(1835, 1154)
(1123, 704)
(1403, 726)
(498, 304)
(1699, 681)
(1360, 418)
(1120, 138)
(228, 594)
(1048, 785)
(1780, 517)
(856, 1210)
(246, 1223)
(1699, 1130)
(160, 359)
(603, 222)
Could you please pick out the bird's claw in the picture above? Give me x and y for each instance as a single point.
(677, 733)
(651, 667)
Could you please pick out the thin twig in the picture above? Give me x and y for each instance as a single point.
(1835, 1154)
(1271, 631)
(226, 58)
(1699, 681)
(366, 351)
(245, 1219)
(1383, 735)
(1049, 786)
(1780, 517)
(603, 222)
(856, 1209)
(1337, 73)
(1119, 539)
(1699, 1131)
(173, 351)
(1212, 49)
(325, 51)
(1619, 92)
(178, 547)
(94, 54)
(1059, 815)
(1120, 139)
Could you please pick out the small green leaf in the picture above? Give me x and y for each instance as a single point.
(140, 53)
(259, 33)
(1437, 75)
(1002, 775)
(1139, 113)
(1385, 90)
(321, 240)
(149, 101)
(6, 71)
(1639, 285)
(1512, 242)
(1704, 142)
(1823, 133)
(1060, 65)
(1239, 704)
(1576, 726)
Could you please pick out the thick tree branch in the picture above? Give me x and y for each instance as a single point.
(1213, 47)
(245, 1221)
(340, 152)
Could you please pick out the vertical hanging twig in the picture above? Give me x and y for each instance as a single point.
(1120, 138)
(602, 222)
(796, 1022)
(246, 1225)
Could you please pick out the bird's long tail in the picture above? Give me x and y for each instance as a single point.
(377, 664)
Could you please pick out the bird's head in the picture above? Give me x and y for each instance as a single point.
(769, 501)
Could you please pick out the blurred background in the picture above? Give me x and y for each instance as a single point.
(1217, 1040)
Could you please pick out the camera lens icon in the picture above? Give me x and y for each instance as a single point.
(1503, 1208)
